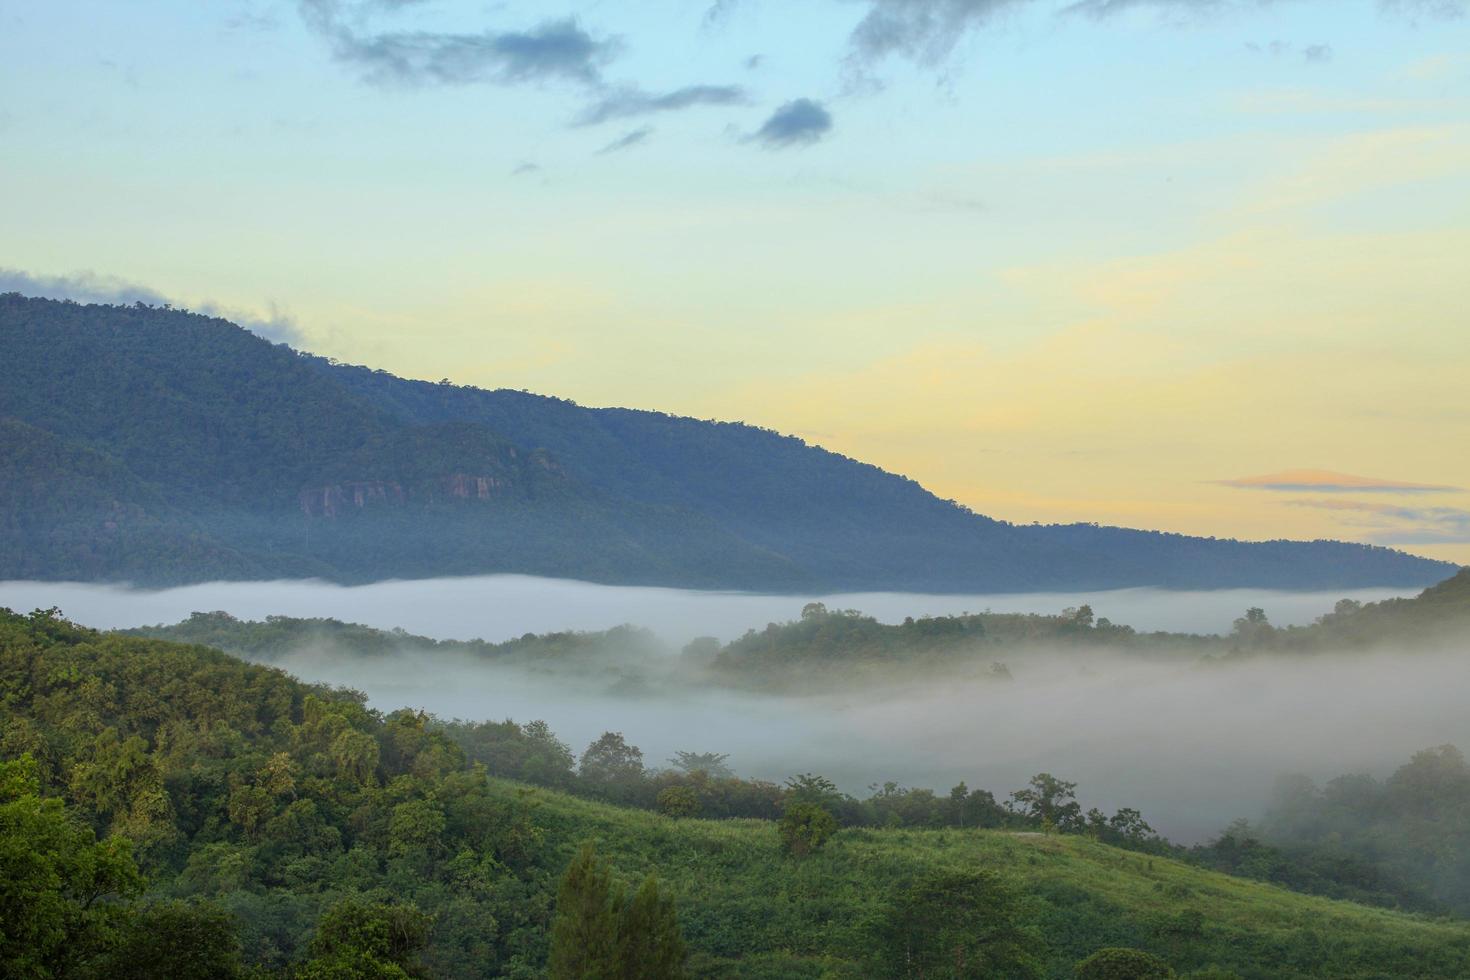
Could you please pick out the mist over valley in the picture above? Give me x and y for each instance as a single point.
(1191, 738)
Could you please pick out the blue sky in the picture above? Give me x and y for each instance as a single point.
(1059, 260)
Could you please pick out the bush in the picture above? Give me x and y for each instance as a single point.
(1120, 963)
(805, 827)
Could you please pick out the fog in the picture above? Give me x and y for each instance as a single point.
(1191, 744)
(498, 607)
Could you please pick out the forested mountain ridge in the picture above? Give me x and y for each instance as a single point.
(255, 460)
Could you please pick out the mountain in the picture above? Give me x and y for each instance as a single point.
(231, 457)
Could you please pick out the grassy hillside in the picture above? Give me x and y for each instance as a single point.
(749, 911)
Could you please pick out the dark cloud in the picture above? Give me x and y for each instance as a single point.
(800, 122)
(623, 103)
(926, 32)
(89, 287)
(1325, 481)
(922, 31)
(522, 169)
(556, 50)
(623, 142)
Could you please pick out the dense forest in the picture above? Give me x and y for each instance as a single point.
(169, 804)
(236, 458)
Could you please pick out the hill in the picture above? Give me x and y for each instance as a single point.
(263, 812)
(247, 459)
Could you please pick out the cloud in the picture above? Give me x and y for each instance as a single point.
(627, 139)
(1311, 53)
(83, 287)
(522, 169)
(622, 103)
(921, 31)
(89, 287)
(800, 122)
(555, 50)
(1326, 481)
(719, 11)
(926, 32)
(1394, 525)
(1437, 9)
(1107, 8)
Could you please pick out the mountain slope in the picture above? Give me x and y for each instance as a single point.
(274, 800)
(302, 466)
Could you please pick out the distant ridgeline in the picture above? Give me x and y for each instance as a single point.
(830, 648)
(161, 447)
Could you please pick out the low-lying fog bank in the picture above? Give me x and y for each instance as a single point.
(1192, 745)
(498, 607)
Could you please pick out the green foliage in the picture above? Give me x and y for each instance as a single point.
(650, 943)
(368, 939)
(805, 827)
(1121, 963)
(1050, 801)
(175, 939)
(678, 801)
(598, 936)
(272, 822)
(272, 798)
(55, 878)
(955, 925)
(584, 934)
(1401, 841)
(611, 766)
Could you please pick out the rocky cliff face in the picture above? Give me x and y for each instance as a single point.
(336, 499)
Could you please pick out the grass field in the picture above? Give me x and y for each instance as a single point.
(749, 911)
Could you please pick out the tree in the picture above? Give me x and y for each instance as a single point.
(1253, 628)
(178, 940)
(610, 763)
(1051, 801)
(713, 764)
(650, 945)
(359, 940)
(809, 788)
(955, 924)
(805, 827)
(1122, 963)
(677, 801)
(584, 931)
(54, 877)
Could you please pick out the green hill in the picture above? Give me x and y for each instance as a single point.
(273, 463)
(751, 912)
(256, 805)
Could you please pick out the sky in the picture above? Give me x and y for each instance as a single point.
(1198, 265)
